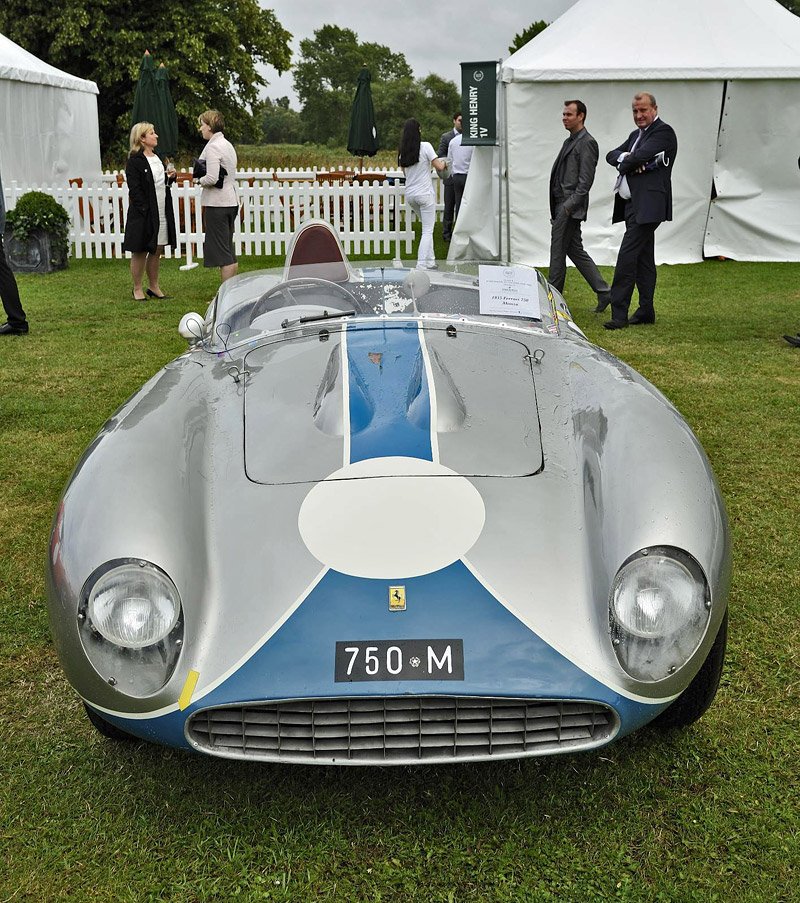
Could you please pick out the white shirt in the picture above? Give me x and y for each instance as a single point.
(459, 156)
(418, 176)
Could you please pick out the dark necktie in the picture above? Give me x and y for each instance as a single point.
(620, 177)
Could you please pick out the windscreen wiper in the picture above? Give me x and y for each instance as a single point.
(314, 318)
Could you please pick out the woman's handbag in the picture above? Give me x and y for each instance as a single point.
(199, 170)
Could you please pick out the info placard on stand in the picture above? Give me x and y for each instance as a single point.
(509, 291)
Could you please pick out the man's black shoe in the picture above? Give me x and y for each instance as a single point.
(616, 324)
(8, 329)
(602, 302)
(640, 317)
(793, 340)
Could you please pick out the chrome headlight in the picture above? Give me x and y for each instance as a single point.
(131, 625)
(134, 605)
(659, 610)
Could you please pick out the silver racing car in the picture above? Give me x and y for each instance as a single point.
(379, 515)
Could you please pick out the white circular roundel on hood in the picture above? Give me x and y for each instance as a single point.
(390, 518)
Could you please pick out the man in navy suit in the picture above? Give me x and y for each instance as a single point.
(643, 199)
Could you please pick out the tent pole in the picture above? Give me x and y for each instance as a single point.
(504, 174)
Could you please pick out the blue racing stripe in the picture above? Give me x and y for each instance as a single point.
(390, 411)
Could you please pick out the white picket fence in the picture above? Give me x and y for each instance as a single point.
(369, 216)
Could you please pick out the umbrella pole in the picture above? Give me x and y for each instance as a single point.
(189, 209)
(190, 264)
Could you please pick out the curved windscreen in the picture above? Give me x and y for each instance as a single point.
(267, 301)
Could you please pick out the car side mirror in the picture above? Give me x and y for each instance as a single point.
(192, 327)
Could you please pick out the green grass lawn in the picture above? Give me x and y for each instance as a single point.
(709, 813)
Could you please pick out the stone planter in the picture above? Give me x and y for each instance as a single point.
(35, 254)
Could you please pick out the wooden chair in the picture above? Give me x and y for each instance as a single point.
(360, 177)
(336, 177)
(78, 183)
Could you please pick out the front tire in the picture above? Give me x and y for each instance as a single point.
(698, 696)
(106, 728)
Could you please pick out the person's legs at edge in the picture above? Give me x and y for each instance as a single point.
(9, 293)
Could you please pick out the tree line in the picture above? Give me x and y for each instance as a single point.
(213, 50)
(325, 78)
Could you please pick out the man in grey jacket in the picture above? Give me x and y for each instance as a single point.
(17, 323)
(570, 180)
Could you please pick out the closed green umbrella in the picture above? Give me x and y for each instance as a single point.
(153, 103)
(362, 140)
(145, 98)
(167, 124)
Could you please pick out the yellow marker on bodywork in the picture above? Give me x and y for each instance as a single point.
(188, 689)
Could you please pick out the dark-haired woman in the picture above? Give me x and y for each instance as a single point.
(416, 157)
(150, 223)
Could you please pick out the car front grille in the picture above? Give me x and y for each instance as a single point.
(400, 730)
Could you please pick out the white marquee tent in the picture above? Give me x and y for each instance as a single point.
(726, 76)
(48, 121)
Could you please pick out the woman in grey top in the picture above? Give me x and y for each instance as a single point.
(220, 205)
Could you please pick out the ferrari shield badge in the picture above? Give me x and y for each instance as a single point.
(397, 598)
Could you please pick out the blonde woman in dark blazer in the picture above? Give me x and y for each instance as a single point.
(150, 224)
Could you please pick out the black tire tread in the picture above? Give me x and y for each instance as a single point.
(698, 696)
(106, 728)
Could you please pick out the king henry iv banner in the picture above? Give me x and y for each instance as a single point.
(479, 103)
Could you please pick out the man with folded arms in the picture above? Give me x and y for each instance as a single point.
(643, 199)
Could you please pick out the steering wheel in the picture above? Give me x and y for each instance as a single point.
(263, 304)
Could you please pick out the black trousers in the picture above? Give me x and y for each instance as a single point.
(449, 209)
(636, 267)
(9, 293)
(459, 181)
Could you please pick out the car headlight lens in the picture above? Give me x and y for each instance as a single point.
(134, 605)
(659, 610)
(130, 621)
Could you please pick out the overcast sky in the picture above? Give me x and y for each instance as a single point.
(433, 37)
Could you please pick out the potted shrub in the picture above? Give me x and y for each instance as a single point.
(37, 234)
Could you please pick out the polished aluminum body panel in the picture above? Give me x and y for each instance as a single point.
(577, 460)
